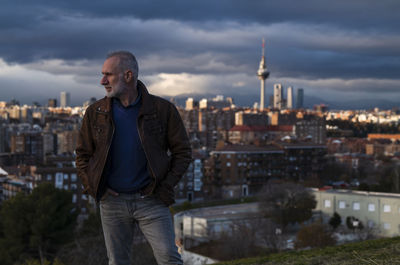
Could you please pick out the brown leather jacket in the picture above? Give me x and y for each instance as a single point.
(161, 132)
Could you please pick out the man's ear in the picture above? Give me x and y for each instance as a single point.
(128, 76)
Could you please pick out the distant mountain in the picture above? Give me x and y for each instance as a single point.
(365, 104)
(309, 101)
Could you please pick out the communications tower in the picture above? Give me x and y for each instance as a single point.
(262, 74)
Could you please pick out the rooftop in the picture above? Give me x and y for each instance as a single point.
(224, 211)
(360, 193)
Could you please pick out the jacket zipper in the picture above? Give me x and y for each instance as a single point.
(144, 149)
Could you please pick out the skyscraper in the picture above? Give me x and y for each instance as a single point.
(289, 100)
(65, 99)
(278, 96)
(52, 102)
(299, 98)
(262, 74)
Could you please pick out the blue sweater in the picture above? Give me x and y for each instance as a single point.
(128, 164)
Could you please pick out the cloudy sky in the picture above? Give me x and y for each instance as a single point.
(333, 49)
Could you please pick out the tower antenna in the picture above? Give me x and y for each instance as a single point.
(262, 74)
(263, 47)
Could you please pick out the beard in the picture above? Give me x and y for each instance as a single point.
(116, 90)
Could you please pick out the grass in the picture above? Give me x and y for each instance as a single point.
(372, 252)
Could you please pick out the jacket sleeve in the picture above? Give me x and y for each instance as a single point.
(179, 147)
(84, 151)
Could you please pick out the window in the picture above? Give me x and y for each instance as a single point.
(386, 208)
(189, 185)
(49, 176)
(371, 207)
(371, 224)
(386, 226)
(228, 164)
(342, 204)
(65, 176)
(73, 198)
(356, 206)
(327, 203)
(73, 177)
(59, 180)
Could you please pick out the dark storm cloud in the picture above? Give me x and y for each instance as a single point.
(354, 13)
(312, 39)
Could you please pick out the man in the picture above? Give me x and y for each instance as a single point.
(132, 150)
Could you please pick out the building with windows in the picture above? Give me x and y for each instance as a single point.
(278, 96)
(300, 98)
(52, 103)
(12, 185)
(200, 225)
(234, 171)
(61, 171)
(191, 104)
(190, 186)
(289, 100)
(65, 99)
(377, 210)
(259, 135)
(251, 118)
(312, 129)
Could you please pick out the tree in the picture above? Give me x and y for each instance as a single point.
(36, 225)
(287, 203)
(270, 235)
(314, 235)
(353, 223)
(335, 220)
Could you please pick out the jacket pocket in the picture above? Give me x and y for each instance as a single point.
(99, 133)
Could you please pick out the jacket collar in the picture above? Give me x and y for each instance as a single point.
(147, 101)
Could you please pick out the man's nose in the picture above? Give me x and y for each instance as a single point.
(104, 81)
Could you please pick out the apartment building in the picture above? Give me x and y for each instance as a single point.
(190, 186)
(243, 134)
(373, 209)
(61, 171)
(240, 170)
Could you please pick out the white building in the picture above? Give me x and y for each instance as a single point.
(289, 100)
(374, 209)
(200, 225)
(278, 96)
(65, 99)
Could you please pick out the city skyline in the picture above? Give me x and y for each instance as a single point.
(332, 50)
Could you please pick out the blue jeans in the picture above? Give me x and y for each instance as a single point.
(119, 214)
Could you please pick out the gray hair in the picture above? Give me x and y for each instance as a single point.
(126, 61)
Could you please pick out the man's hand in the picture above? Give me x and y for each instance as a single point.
(112, 192)
(166, 194)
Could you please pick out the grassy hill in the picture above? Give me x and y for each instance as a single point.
(379, 251)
